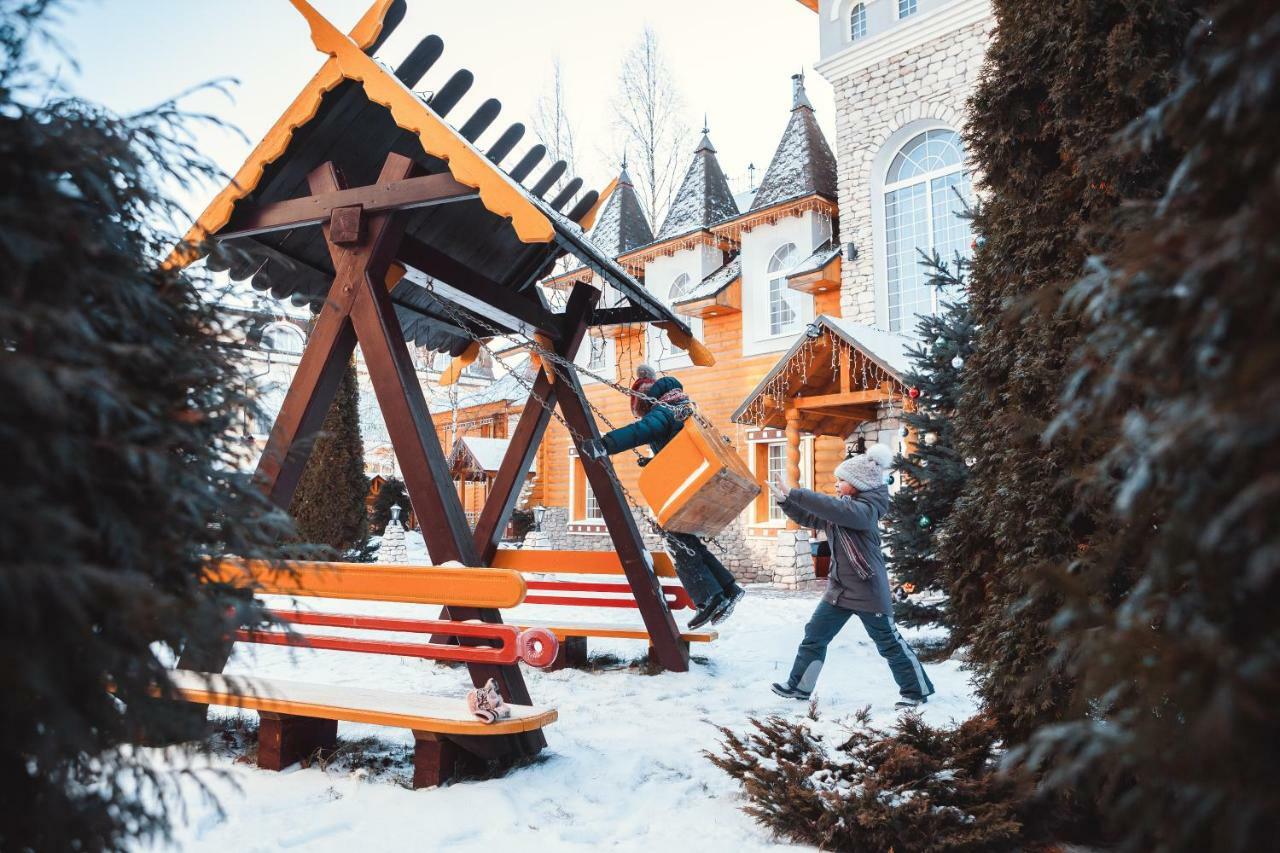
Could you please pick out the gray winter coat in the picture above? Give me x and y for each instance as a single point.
(859, 516)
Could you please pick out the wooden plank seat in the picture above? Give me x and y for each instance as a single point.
(298, 719)
(573, 634)
(316, 709)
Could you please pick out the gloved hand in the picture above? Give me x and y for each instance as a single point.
(643, 460)
(779, 491)
(593, 448)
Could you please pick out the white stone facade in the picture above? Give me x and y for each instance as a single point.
(890, 86)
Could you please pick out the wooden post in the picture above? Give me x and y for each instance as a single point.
(285, 739)
(359, 307)
(530, 429)
(793, 454)
(663, 633)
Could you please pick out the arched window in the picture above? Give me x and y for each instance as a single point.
(783, 316)
(266, 406)
(679, 287)
(857, 22)
(925, 189)
(281, 337)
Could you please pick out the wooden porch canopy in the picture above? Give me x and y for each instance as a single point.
(477, 459)
(835, 376)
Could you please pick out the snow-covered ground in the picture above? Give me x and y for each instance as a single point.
(624, 768)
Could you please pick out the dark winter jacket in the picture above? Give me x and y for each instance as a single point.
(655, 429)
(859, 517)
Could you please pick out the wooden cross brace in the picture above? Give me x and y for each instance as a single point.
(359, 309)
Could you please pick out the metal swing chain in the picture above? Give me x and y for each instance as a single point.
(461, 321)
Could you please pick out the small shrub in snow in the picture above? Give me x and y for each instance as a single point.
(910, 788)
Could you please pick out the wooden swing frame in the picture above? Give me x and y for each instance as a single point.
(364, 232)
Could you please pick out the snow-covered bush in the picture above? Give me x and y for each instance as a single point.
(909, 788)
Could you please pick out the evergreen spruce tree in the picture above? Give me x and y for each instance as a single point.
(1058, 84)
(329, 504)
(1179, 381)
(118, 391)
(933, 474)
(391, 494)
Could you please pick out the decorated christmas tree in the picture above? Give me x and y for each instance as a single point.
(933, 472)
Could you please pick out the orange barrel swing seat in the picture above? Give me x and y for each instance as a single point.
(697, 483)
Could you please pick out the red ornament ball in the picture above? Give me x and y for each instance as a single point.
(914, 393)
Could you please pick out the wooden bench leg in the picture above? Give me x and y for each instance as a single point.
(656, 661)
(571, 654)
(434, 760)
(285, 739)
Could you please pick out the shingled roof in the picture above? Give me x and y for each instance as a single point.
(354, 113)
(704, 197)
(803, 164)
(621, 225)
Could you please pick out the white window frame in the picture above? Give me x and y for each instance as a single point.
(879, 228)
(907, 8)
(806, 474)
(290, 330)
(658, 349)
(587, 499)
(779, 276)
(857, 22)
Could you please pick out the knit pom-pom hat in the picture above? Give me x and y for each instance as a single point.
(645, 377)
(866, 471)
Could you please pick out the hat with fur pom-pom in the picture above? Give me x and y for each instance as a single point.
(866, 471)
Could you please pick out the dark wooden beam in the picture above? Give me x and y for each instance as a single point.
(476, 292)
(621, 314)
(316, 209)
(531, 427)
(664, 636)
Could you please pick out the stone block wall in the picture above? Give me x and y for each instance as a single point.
(931, 81)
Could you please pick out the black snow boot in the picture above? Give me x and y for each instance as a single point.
(786, 691)
(704, 614)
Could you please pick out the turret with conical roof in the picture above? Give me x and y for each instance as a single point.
(803, 164)
(622, 225)
(704, 197)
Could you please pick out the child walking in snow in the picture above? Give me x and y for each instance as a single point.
(858, 584)
(711, 586)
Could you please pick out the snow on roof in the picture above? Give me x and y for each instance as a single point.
(714, 283)
(891, 349)
(704, 198)
(622, 225)
(803, 164)
(508, 389)
(487, 452)
(820, 258)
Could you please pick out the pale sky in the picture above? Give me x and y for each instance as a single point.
(732, 59)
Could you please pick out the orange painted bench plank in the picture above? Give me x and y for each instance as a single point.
(351, 704)
(575, 562)
(460, 587)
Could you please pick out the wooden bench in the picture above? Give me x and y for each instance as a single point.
(545, 589)
(300, 719)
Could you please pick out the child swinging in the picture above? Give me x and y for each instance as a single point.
(711, 586)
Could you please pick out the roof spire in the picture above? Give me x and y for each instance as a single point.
(623, 177)
(705, 144)
(799, 98)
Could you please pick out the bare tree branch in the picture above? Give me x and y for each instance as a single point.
(552, 124)
(649, 122)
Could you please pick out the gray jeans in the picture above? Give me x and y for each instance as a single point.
(826, 622)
